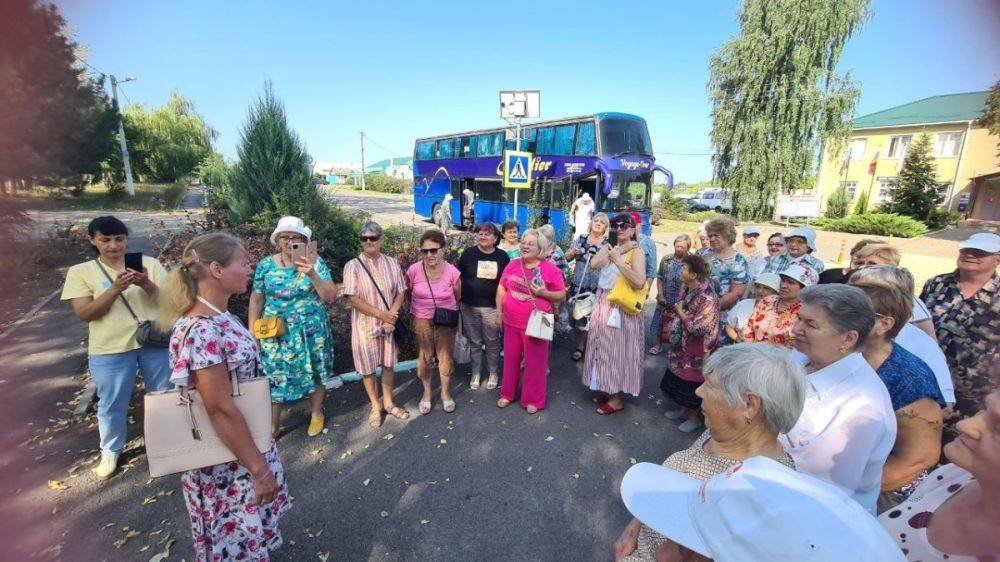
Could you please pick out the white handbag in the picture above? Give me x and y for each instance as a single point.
(179, 435)
(583, 304)
(541, 325)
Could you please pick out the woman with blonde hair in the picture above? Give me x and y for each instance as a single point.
(235, 506)
(884, 254)
(584, 279)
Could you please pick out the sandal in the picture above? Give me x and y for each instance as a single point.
(375, 418)
(448, 405)
(577, 355)
(531, 409)
(491, 383)
(425, 407)
(655, 350)
(607, 409)
(398, 413)
(503, 403)
(600, 399)
(474, 383)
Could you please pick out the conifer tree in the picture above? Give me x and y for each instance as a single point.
(917, 190)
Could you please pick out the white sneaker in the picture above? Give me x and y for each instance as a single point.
(107, 466)
(688, 426)
(678, 414)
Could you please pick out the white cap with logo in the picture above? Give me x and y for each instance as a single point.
(985, 241)
(759, 509)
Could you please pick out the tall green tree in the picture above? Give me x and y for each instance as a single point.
(917, 190)
(56, 120)
(777, 98)
(169, 142)
(991, 113)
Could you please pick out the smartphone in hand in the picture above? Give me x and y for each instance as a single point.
(299, 250)
(133, 261)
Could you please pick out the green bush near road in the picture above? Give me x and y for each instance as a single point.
(838, 204)
(881, 224)
(702, 216)
(386, 184)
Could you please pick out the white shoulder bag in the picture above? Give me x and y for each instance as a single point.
(541, 325)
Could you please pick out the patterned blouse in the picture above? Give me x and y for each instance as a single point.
(585, 277)
(968, 330)
(726, 272)
(670, 274)
(696, 463)
(768, 324)
(694, 338)
(780, 262)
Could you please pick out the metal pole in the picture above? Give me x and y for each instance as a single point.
(130, 186)
(517, 146)
(362, 160)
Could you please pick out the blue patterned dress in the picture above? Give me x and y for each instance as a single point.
(296, 362)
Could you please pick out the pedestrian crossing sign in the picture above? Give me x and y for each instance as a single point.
(517, 169)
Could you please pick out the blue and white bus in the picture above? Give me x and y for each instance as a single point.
(607, 155)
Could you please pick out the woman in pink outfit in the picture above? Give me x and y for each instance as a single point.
(527, 283)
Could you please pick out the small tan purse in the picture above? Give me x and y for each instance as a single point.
(268, 327)
(179, 434)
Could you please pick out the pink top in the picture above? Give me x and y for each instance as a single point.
(421, 304)
(517, 305)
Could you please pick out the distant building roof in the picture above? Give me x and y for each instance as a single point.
(951, 108)
(383, 165)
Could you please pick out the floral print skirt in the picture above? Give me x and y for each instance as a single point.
(223, 524)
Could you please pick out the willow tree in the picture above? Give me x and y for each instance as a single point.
(777, 98)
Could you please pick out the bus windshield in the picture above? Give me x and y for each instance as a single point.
(624, 136)
(629, 191)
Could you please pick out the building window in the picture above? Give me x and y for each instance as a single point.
(856, 149)
(947, 145)
(885, 186)
(897, 146)
(851, 187)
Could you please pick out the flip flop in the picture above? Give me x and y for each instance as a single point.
(398, 413)
(375, 419)
(503, 403)
(448, 406)
(425, 407)
(607, 410)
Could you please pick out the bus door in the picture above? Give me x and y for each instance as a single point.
(489, 201)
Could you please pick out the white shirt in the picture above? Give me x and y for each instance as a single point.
(739, 314)
(917, 342)
(846, 429)
(581, 218)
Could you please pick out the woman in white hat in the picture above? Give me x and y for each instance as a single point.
(773, 317)
(297, 359)
(800, 243)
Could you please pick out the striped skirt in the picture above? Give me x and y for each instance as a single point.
(614, 359)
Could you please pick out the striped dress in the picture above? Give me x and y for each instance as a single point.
(370, 347)
(614, 358)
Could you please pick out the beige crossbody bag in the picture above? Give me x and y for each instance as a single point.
(179, 434)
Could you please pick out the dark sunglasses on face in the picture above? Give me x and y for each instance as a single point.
(620, 225)
(370, 238)
(430, 251)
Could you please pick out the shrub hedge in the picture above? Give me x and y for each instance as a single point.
(881, 224)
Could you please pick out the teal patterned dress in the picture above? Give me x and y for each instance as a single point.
(296, 362)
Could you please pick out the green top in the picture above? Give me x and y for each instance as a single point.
(951, 108)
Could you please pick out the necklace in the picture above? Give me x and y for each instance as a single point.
(210, 305)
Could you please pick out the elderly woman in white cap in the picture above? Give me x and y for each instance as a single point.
(800, 243)
(751, 394)
(291, 289)
(773, 318)
(765, 285)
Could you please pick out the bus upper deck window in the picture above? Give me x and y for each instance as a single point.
(425, 150)
(585, 140)
(445, 148)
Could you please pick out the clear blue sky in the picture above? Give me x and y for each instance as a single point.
(401, 70)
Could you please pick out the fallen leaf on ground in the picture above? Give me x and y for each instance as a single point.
(631, 460)
(367, 481)
(388, 436)
(384, 514)
(106, 525)
(58, 485)
(444, 441)
(326, 430)
(323, 556)
(549, 438)
(424, 521)
(315, 452)
(129, 535)
(529, 469)
(575, 476)
(149, 500)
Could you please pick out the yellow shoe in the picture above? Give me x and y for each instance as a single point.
(316, 425)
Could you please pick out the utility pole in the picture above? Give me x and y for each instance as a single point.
(130, 186)
(362, 160)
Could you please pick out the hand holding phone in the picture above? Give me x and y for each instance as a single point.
(133, 261)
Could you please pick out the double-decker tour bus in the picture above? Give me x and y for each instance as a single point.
(607, 155)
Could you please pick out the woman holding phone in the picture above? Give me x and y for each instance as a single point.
(293, 287)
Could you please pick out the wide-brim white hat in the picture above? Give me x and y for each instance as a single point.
(770, 280)
(805, 275)
(291, 224)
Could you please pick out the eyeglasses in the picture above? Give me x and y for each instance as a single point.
(292, 238)
(370, 238)
(771, 245)
(429, 251)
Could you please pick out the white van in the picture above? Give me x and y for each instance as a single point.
(711, 199)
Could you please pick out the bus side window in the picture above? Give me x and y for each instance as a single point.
(445, 148)
(468, 147)
(490, 144)
(488, 190)
(545, 137)
(585, 143)
(425, 150)
(497, 144)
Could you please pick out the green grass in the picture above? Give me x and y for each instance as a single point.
(671, 225)
(148, 197)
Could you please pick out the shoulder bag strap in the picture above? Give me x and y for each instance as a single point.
(429, 288)
(524, 274)
(120, 295)
(361, 262)
(234, 380)
(586, 266)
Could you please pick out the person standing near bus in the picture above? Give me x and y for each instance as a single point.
(580, 213)
(510, 242)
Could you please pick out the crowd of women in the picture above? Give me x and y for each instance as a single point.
(866, 413)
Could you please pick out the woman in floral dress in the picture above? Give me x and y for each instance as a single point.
(298, 363)
(234, 507)
(773, 317)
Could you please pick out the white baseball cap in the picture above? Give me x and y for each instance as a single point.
(291, 224)
(804, 274)
(985, 241)
(768, 280)
(751, 231)
(759, 509)
(804, 232)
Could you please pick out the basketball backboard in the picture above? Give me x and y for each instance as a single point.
(520, 104)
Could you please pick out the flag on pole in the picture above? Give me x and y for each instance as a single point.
(871, 167)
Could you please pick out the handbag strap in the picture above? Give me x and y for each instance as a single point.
(429, 288)
(524, 274)
(586, 266)
(234, 380)
(120, 295)
(370, 276)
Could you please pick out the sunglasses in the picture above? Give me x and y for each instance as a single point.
(621, 225)
(429, 251)
(772, 245)
(370, 238)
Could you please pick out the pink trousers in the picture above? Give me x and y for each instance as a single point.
(535, 352)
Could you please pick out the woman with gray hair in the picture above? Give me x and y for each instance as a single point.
(752, 393)
(848, 425)
(375, 289)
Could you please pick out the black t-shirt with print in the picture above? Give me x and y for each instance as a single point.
(481, 275)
